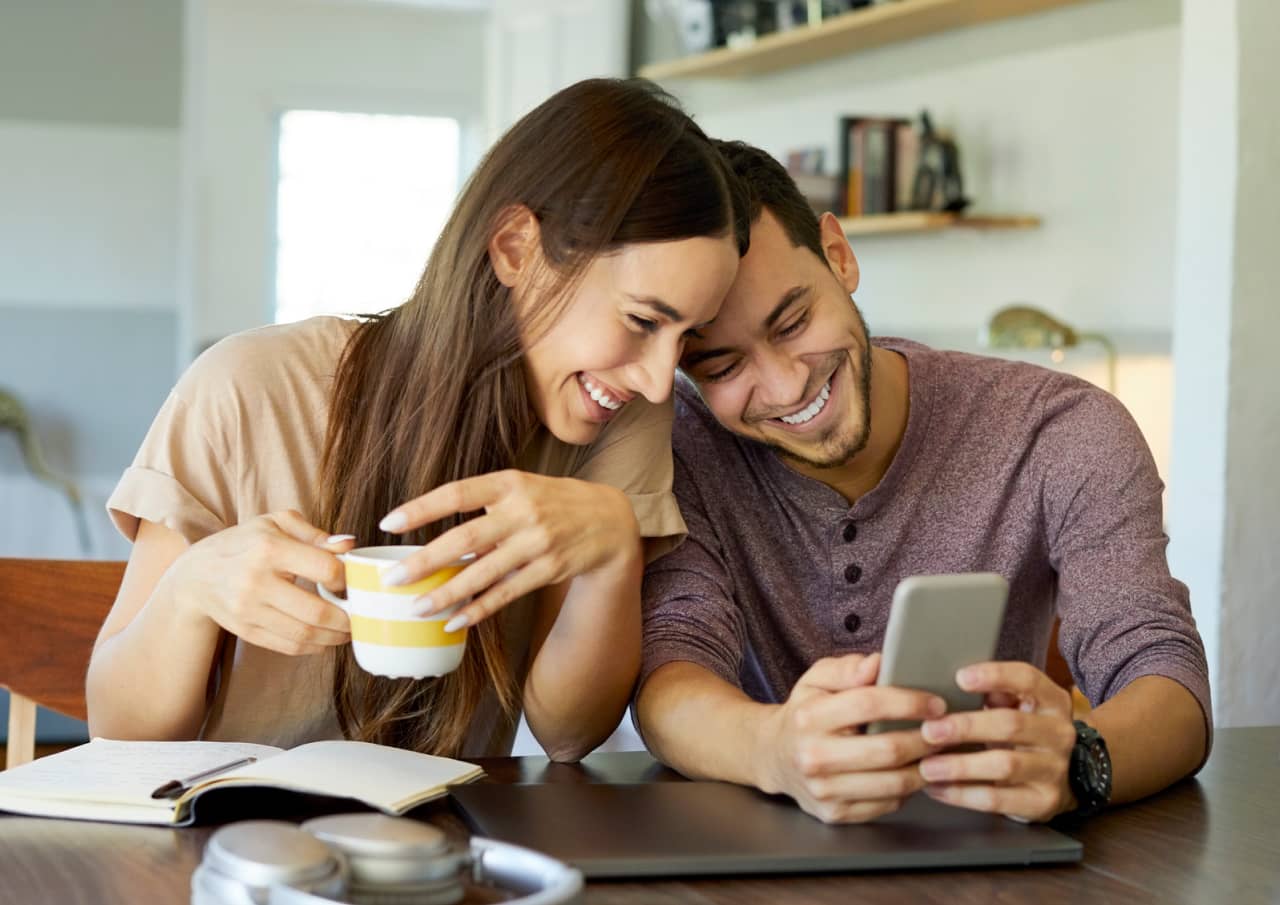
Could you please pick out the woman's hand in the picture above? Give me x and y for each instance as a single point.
(536, 531)
(242, 578)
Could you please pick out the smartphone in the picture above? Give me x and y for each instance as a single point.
(938, 625)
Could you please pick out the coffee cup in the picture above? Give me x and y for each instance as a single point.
(388, 637)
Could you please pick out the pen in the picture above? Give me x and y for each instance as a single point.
(175, 787)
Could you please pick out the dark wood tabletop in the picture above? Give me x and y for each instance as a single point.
(1215, 838)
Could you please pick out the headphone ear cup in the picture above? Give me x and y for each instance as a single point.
(539, 879)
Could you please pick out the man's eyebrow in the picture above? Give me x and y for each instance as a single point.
(792, 294)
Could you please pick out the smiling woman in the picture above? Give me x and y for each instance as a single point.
(525, 381)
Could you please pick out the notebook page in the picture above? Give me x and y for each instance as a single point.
(390, 779)
(113, 772)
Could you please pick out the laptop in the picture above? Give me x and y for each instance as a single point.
(683, 829)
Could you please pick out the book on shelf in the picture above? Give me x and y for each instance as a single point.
(114, 780)
(879, 156)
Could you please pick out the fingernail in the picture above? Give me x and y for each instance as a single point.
(935, 791)
(339, 538)
(396, 575)
(424, 605)
(935, 731)
(466, 557)
(937, 707)
(396, 521)
(967, 677)
(458, 622)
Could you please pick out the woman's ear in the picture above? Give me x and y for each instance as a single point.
(840, 257)
(515, 247)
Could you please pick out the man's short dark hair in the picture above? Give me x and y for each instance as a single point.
(768, 185)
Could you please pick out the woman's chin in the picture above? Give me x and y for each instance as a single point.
(574, 431)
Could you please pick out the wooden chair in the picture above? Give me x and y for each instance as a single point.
(50, 614)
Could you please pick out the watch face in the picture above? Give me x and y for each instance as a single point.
(1091, 770)
(1095, 770)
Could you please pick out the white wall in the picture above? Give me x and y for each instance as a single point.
(248, 61)
(1227, 421)
(89, 216)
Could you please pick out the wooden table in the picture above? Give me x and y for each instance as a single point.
(1214, 839)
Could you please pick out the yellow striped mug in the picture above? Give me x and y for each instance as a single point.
(387, 638)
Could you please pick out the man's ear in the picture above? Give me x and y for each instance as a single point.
(840, 257)
(515, 248)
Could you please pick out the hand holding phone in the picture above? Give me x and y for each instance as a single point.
(938, 625)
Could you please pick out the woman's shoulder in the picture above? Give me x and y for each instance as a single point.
(268, 360)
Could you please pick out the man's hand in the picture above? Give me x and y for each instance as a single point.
(815, 750)
(1028, 734)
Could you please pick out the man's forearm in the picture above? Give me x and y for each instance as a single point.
(1155, 734)
(702, 726)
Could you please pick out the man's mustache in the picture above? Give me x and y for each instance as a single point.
(827, 368)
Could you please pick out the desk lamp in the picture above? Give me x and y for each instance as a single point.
(1024, 327)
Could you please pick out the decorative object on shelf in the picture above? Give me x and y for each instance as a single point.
(695, 20)
(1025, 327)
(938, 184)
(13, 417)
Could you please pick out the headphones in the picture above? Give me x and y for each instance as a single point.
(368, 859)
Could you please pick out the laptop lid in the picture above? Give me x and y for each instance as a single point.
(673, 829)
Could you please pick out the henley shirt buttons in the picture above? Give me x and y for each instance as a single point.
(851, 622)
(850, 532)
(852, 573)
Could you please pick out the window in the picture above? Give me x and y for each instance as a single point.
(360, 201)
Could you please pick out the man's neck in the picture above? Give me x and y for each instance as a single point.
(890, 405)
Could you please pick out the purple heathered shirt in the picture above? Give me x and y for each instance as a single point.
(1005, 467)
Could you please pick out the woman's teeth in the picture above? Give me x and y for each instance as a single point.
(598, 395)
(809, 412)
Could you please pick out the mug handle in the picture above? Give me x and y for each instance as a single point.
(333, 598)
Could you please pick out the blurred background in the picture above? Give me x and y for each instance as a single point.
(172, 172)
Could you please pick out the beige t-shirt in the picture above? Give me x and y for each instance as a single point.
(242, 434)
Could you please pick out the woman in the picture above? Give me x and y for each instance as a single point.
(525, 377)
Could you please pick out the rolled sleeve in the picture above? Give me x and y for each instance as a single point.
(182, 475)
(634, 455)
(1123, 616)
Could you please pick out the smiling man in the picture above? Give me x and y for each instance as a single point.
(816, 467)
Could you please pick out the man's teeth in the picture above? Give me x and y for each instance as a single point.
(599, 396)
(809, 412)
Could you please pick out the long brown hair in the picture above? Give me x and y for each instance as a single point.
(433, 391)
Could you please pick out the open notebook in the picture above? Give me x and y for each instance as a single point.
(113, 781)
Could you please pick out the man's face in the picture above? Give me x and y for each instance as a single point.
(787, 361)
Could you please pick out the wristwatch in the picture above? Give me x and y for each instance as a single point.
(1090, 771)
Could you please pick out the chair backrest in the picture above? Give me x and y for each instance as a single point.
(50, 614)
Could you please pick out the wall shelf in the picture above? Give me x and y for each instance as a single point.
(930, 221)
(859, 29)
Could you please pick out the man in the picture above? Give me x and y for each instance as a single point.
(816, 468)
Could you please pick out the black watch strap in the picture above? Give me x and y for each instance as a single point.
(1090, 771)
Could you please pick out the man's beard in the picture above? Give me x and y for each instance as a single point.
(856, 442)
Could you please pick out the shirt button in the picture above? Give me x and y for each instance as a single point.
(850, 532)
(852, 573)
(851, 622)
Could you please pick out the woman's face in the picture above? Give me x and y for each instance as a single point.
(622, 330)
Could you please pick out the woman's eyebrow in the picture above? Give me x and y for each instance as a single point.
(659, 306)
